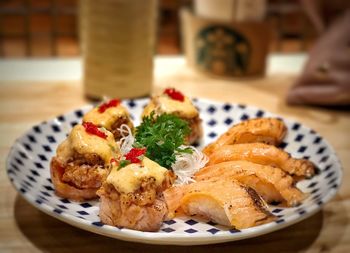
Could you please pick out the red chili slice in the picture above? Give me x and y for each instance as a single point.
(93, 129)
(134, 154)
(113, 161)
(174, 94)
(112, 103)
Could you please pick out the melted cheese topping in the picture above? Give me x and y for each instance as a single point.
(82, 142)
(64, 151)
(129, 178)
(163, 104)
(107, 118)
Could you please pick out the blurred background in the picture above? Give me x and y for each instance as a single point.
(46, 28)
(117, 40)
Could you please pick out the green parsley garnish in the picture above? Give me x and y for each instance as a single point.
(162, 136)
(123, 163)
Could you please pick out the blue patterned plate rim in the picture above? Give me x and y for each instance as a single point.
(209, 236)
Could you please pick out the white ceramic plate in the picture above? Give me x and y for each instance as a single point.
(28, 170)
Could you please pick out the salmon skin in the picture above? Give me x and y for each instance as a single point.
(272, 183)
(222, 200)
(265, 130)
(263, 154)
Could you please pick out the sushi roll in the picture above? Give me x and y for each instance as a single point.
(222, 200)
(264, 154)
(174, 102)
(265, 130)
(82, 162)
(272, 183)
(110, 115)
(131, 196)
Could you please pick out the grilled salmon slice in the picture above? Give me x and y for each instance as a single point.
(125, 210)
(272, 183)
(131, 196)
(265, 130)
(263, 154)
(222, 200)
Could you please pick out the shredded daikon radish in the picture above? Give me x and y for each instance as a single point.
(186, 165)
(127, 140)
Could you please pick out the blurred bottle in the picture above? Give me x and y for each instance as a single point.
(118, 41)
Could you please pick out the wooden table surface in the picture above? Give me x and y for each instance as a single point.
(25, 229)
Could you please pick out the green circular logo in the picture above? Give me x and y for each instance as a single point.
(222, 50)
